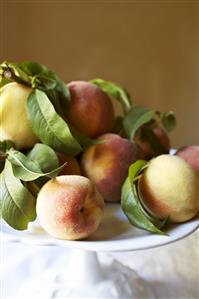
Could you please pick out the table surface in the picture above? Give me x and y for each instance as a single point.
(173, 270)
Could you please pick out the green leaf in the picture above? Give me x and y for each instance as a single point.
(4, 81)
(17, 203)
(81, 138)
(50, 128)
(42, 77)
(33, 187)
(12, 72)
(6, 145)
(45, 157)
(60, 102)
(47, 79)
(23, 168)
(136, 168)
(63, 95)
(2, 164)
(38, 76)
(147, 134)
(136, 118)
(32, 68)
(168, 120)
(118, 125)
(54, 99)
(131, 205)
(115, 91)
(26, 169)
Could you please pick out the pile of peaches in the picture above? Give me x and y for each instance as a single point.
(64, 153)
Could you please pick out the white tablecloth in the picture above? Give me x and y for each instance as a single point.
(173, 270)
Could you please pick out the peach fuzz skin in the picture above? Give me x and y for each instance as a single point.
(91, 111)
(69, 207)
(72, 167)
(170, 187)
(107, 164)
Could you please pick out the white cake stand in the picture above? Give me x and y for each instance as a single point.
(84, 276)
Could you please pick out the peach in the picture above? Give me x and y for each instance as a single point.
(190, 154)
(69, 207)
(91, 111)
(170, 187)
(107, 163)
(72, 167)
(14, 124)
(142, 139)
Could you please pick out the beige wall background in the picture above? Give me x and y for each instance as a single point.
(150, 47)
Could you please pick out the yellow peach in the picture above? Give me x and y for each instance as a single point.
(14, 124)
(170, 187)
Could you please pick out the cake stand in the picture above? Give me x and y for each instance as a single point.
(84, 276)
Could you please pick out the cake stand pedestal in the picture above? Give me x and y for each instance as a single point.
(84, 276)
